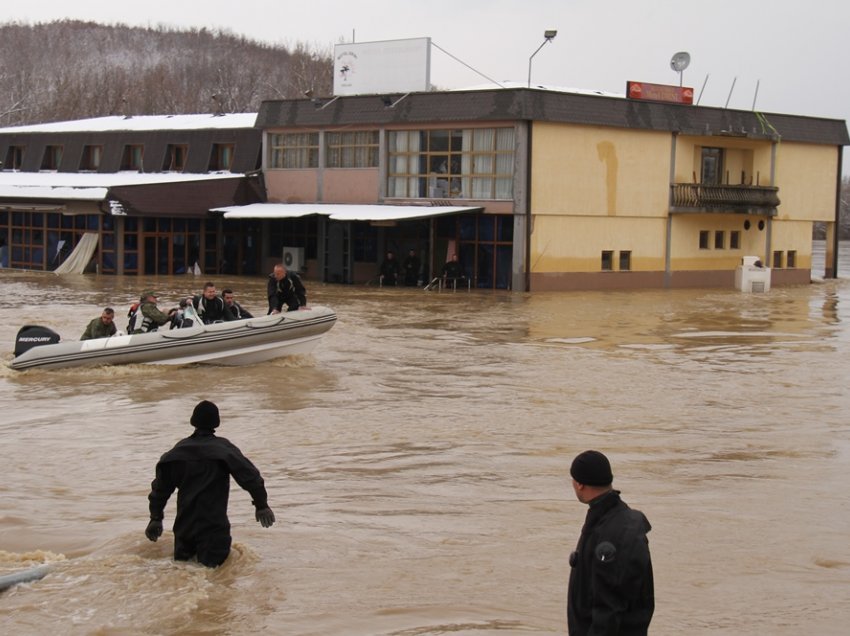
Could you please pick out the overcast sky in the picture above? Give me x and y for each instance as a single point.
(795, 50)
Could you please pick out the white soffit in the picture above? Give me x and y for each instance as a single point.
(340, 211)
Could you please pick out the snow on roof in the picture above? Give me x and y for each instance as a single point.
(140, 123)
(88, 186)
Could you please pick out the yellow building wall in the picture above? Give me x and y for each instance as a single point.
(575, 244)
(685, 251)
(806, 177)
(792, 236)
(598, 171)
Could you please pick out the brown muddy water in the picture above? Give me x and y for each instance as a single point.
(418, 460)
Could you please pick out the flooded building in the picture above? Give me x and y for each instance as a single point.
(532, 189)
(547, 190)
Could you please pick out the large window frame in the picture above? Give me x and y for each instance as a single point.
(466, 163)
(221, 156)
(293, 151)
(92, 156)
(352, 149)
(175, 157)
(711, 166)
(52, 157)
(14, 157)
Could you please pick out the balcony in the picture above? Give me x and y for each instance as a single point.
(736, 199)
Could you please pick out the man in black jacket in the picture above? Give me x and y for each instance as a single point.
(200, 467)
(611, 585)
(210, 306)
(285, 289)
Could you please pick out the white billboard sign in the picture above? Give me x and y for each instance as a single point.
(391, 66)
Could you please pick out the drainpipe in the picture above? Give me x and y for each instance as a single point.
(668, 247)
(527, 258)
(837, 228)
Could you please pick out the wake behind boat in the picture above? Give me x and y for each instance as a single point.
(234, 343)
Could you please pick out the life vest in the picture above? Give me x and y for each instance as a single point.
(139, 323)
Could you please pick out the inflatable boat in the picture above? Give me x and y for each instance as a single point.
(234, 343)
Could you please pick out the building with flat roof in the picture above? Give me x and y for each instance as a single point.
(532, 189)
(544, 189)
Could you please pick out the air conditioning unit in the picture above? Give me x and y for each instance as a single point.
(293, 258)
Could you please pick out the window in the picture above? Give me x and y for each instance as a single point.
(52, 158)
(735, 240)
(14, 158)
(703, 239)
(175, 157)
(91, 158)
(352, 149)
(777, 259)
(475, 163)
(132, 157)
(294, 150)
(791, 260)
(221, 157)
(625, 260)
(719, 240)
(711, 170)
(607, 260)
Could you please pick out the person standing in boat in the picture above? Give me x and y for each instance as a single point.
(210, 306)
(101, 327)
(285, 289)
(145, 315)
(611, 588)
(199, 467)
(237, 311)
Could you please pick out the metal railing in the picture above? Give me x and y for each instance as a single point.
(742, 198)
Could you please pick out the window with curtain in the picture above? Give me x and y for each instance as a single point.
(293, 150)
(355, 149)
(472, 163)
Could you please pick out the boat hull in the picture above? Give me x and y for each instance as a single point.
(235, 343)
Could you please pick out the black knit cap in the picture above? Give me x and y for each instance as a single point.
(205, 416)
(592, 468)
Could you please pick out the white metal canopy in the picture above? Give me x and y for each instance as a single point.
(340, 211)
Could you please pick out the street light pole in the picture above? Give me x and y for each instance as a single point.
(549, 35)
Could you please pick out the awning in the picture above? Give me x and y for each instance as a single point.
(341, 212)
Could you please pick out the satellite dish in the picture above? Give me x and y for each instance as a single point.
(679, 62)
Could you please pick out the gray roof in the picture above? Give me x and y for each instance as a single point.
(543, 105)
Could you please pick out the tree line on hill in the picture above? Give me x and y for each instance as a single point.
(70, 69)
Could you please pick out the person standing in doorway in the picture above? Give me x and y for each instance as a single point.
(611, 588)
(411, 266)
(199, 467)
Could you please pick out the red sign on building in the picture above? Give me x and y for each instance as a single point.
(660, 92)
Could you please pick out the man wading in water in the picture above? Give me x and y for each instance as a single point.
(199, 467)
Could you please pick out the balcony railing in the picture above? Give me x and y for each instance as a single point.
(741, 199)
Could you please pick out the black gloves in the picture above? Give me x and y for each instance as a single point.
(154, 529)
(265, 516)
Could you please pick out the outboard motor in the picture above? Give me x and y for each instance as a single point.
(31, 336)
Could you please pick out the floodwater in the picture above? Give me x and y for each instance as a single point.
(418, 460)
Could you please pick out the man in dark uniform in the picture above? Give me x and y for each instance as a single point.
(237, 311)
(452, 272)
(611, 586)
(285, 289)
(199, 467)
(210, 306)
(411, 267)
(388, 272)
(102, 327)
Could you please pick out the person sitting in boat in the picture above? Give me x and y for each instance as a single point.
(210, 306)
(236, 310)
(101, 327)
(285, 289)
(145, 315)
